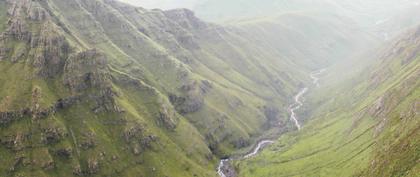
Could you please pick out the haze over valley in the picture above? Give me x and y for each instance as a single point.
(207, 88)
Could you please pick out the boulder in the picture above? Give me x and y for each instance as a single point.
(64, 152)
(93, 165)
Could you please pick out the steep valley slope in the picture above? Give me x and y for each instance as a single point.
(101, 88)
(367, 125)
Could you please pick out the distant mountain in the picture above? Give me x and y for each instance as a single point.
(368, 14)
(102, 88)
(312, 39)
(248, 9)
(163, 4)
(364, 126)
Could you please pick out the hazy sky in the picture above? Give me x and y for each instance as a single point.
(170, 4)
(163, 4)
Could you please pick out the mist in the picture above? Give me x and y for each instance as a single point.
(339, 41)
(205, 88)
(163, 4)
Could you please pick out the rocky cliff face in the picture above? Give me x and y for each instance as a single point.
(99, 88)
(42, 42)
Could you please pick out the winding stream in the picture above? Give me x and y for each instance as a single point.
(296, 106)
(315, 78)
(224, 170)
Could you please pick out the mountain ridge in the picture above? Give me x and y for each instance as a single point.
(371, 118)
(116, 89)
(102, 88)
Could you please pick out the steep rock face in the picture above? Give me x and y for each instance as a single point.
(185, 55)
(86, 70)
(51, 50)
(118, 90)
(136, 136)
(7, 117)
(167, 117)
(42, 42)
(16, 25)
(193, 99)
(75, 79)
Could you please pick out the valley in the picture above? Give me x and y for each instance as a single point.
(225, 169)
(367, 117)
(105, 88)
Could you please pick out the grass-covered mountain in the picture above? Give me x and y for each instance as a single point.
(367, 125)
(369, 11)
(311, 39)
(101, 88)
(313, 34)
(382, 18)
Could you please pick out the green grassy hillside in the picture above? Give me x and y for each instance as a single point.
(364, 126)
(312, 39)
(384, 19)
(313, 34)
(101, 88)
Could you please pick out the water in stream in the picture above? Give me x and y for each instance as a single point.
(225, 171)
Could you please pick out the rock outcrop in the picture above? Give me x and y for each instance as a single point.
(46, 48)
(85, 70)
(96, 77)
(10, 116)
(193, 96)
(136, 136)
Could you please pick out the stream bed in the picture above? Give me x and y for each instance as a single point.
(225, 170)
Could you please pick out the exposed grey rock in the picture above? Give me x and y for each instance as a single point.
(52, 135)
(48, 163)
(133, 132)
(148, 140)
(93, 166)
(37, 14)
(4, 50)
(193, 97)
(87, 69)
(10, 116)
(48, 47)
(77, 170)
(66, 102)
(64, 152)
(7, 117)
(378, 107)
(14, 142)
(17, 30)
(87, 141)
(190, 103)
(135, 135)
(105, 101)
(114, 157)
(136, 149)
(167, 117)
(51, 50)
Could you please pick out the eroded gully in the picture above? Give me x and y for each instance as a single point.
(224, 169)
